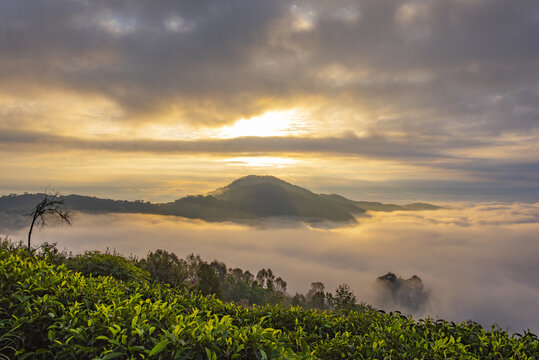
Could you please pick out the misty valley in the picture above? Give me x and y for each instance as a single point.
(393, 210)
(269, 268)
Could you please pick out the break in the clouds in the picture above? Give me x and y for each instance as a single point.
(427, 67)
(419, 81)
(477, 261)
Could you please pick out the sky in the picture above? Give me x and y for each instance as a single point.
(375, 100)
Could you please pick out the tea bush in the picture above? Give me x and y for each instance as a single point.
(97, 263)
(50, 312)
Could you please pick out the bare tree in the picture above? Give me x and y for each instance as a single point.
(51, 205)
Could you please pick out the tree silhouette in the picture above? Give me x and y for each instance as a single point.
(208, 280)
(344, 297)
(409, 293)
(165, 267)
(316, 296)
(316, 287)
(266, 279)
(50, 205)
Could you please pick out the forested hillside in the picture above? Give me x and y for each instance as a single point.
(245, 199)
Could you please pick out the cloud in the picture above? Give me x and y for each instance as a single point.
(422, 66)
(450, 86)
(137, 57)
(478, 261)
(346, 144)
(441, 166)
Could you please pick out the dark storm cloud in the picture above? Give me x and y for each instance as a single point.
(454, 67)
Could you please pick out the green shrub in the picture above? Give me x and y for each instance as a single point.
(50, 312)
(104, 264)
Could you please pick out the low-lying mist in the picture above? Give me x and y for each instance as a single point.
(477, 261)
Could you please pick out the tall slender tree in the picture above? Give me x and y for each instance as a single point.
(50, 206)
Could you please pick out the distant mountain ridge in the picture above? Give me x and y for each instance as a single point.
(248, 198)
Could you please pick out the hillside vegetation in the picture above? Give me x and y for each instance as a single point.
(246, 199)
(50, 312)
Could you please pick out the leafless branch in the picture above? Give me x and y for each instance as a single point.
(51, 205)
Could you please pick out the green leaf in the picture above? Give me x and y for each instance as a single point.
(136, 348)
(159, 347)
(26, 355)
(112, 355)
(134, 322)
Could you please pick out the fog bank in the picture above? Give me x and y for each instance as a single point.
(478, 261)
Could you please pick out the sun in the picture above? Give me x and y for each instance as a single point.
(271, 123)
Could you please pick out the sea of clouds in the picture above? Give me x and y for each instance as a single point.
(478, 261)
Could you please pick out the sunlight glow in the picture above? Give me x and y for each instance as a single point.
(271, 123)
(262, 161)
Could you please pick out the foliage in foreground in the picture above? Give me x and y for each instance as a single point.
(48, 311)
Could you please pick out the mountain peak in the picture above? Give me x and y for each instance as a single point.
(266, 195)
(250, 197)
(257, 179)
(249, 181)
